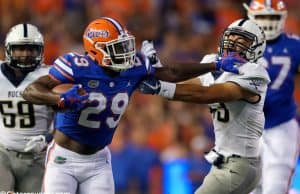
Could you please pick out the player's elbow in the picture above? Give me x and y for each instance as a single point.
(27, 93)
(30, 94)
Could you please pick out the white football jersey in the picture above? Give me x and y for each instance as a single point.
(238, 124)
(20, 118)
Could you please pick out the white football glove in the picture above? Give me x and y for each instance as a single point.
(209, 58)
(149, 51)
(35, 144)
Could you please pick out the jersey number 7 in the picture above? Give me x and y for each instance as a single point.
(284, 62)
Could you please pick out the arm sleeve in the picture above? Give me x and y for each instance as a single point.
(62, 69)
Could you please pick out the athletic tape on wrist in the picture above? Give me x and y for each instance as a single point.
(167, 89)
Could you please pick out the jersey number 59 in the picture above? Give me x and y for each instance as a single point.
(21, 113)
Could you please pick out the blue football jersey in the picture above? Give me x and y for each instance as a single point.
(109, 97)
(282, 60)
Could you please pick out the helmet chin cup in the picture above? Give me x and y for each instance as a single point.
(27, 64)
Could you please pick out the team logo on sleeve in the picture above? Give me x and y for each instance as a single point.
(254, 84)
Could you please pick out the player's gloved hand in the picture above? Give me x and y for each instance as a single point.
(229, 63)
(150, 85)
(149, 51)
(35, 144)
(71, 100)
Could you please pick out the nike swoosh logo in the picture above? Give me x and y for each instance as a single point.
(150, 86)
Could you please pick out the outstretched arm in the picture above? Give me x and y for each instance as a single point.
(224, 92)
(180, 71)
(197, 93)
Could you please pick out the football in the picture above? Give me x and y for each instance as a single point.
(62, 88)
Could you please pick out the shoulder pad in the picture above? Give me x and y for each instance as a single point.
(254, 77)
(293, 36)
(255, 70)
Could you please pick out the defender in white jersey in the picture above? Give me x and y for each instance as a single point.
(236, 103)
(281, 137)
(23, 126)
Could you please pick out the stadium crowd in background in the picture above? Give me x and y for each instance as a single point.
(173, 132)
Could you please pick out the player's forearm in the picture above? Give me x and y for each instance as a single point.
(181, 71)
(39, 94)
(201, 94)
(192, 93)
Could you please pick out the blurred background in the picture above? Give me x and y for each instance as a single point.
(159, 145)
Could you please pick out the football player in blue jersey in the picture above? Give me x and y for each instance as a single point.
(280, 140)
(78, 160)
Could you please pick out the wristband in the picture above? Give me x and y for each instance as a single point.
(167, 89)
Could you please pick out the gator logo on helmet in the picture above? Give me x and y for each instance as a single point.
(93, 33)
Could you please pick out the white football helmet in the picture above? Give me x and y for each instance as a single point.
(269, 14)
(24, 35)
(249, 31)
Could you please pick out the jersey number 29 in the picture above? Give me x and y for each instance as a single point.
(118, 105)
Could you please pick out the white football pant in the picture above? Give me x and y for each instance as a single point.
(280, 148)
(70, 172)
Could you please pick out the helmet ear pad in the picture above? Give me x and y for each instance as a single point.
(97, 54)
